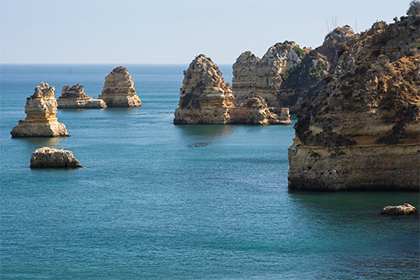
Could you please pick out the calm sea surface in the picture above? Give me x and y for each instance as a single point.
(159, 201)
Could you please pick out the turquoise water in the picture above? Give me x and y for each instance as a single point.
(158, 201)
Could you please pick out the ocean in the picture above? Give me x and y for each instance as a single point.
(159, 201)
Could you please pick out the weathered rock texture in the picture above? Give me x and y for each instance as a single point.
(405, 209)
(362, 131)
(75, 97)
(287, 75)
(48, 157)
(205, 98)
(119, 89)
(254, 110)
(41, 120)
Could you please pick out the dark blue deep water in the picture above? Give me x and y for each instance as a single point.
(159, 201)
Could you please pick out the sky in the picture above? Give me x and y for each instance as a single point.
(172, 31)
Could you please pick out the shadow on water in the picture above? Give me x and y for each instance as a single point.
(203, 135)
(205, 130)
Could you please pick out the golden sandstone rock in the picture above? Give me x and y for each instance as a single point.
(405, 209)
(49, 157)
(41, 120)
(119, 89)
(74, 97)
(205, 98)
(362, 131)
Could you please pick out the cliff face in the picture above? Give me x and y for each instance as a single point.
(41, 120)
(75, 97)
(119, 89)
(264, 76)
(205, 98)
(362, 129)
(287, 75)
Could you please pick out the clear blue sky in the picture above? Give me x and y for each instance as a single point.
(165, 31)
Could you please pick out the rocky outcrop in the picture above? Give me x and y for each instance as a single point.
(74, 97)
(287, 75)
(405, 209)
(362, 131)
(50, 158)
(41, 120)
(264, 76)
(119, 89)
(205, 98)
(254, 110)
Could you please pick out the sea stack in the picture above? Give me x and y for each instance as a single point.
(362, 131)
(119, 89)
(74, 97)
(41, 120)
(204, 96)
(52, 158)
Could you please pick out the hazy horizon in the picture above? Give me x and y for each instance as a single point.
(164, 32)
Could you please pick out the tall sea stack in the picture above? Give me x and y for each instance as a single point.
(41, 120)
(119, 89)
(204, 96)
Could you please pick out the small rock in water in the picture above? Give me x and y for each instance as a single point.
(406, 209)
(48, 157)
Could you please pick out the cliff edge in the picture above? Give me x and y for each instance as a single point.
(362, 131)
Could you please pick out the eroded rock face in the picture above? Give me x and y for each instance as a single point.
(405, 209)
(119, 89)
(75, 97)
(287, 75)
(254, 110)
(205, 98)
(41, 120)
(362, 131)
(51, 158)
(264, 76)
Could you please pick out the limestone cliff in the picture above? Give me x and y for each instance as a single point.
(264, 76)
(75, 97)
(287, 75)
(48, 157)
(119, 89)
(362, 131)
(205, 98)
(41, 120)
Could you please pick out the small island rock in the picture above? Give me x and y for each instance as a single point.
(405, 209)
(48, 157)
(41, 120)
(119, 89)
(74, 97)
